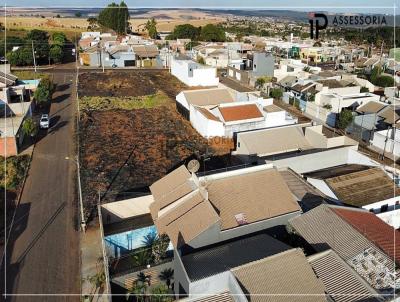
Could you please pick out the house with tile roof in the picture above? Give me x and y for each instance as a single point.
(219, 112)
(224, 205)
(366, 243)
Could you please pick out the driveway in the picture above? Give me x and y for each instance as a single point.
(43, 252)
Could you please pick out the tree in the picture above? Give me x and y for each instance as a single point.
(58, 38)
(56, 53)
(160, 293)
(384, 81)
(29, 127)
(142, 257)
(93, 23)
(212, 33)
(115, 17)
(375, 73)
(143, 278)
(345, 118)
(201, 60)
(276, 93)
(260, 82)
(151, 27)
(40, 41)
(149, 239)
(78, 14)
(190, 45)
(97, 280)
(185, 31)
(44, 91)
(364, 89)
(167, 275)
(160, 247)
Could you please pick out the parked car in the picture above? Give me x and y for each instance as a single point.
(44, 121)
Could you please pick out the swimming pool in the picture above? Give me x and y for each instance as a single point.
(130, 240)
(29, 82)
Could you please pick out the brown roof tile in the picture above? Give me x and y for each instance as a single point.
(208, 114)
(257, 195)
(241, 112)
(373, 228)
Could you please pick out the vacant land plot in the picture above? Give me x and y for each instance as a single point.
(129, 83)
(127, 143)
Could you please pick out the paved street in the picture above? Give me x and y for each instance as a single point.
(43, 252)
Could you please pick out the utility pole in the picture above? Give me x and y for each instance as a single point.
(33, 54)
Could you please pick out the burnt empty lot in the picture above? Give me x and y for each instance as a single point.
(129, 83)
(125, 151)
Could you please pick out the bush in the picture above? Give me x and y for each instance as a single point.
(364, 89)
(13, 175)
(44, 91)
(384, 81)
(327, 106)
(276, 93)
(29, 127)
(345, 118)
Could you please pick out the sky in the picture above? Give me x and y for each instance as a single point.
(342, 6)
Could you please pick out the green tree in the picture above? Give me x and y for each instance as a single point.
(260, 82)
(142, 257)
(43, 92)
(56, 53)
(364, 89)
(160, 247)
(186, 31)
(58, 38)
(40, 41)
(29, 127)
(115, 17)
(276, 93)
(212, 33)
(167, 275)
(151, 27)
(78, 14)
(160, 293)
(93, 23)
(345, 118)
(375, 73)
(384, 81)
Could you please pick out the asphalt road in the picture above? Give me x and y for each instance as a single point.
(43, 251)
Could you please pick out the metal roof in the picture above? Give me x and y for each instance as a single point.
(342, 283)
(283, 277)
(209, 261)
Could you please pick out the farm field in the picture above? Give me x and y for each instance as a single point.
(164, 22)
(128, 142)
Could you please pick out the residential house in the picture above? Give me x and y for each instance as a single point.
(194, 74)
(261, 64)
(213, 112)
(370, 188)
(365, 242)
(283, 140)
(225, 205)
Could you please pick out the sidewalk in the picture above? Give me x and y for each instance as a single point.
(92, 264)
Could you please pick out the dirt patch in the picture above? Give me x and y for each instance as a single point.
(129, 142)
(129, 83)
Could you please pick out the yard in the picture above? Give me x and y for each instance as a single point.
(136, 136)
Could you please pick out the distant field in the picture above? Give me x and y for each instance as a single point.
(80, 24)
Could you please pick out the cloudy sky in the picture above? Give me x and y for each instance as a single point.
(360, 6)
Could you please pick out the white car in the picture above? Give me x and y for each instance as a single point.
(44, 121)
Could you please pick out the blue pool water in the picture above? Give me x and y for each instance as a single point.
(29, 82)
(130, 240)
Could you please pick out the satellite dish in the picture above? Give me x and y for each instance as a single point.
(193, 166)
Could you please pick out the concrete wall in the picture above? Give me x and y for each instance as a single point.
(192, 74)
(383, 140)
(180, 275)
(263, 64)
(205, 126)
(320, 160)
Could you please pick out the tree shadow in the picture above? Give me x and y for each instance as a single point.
(61, 98)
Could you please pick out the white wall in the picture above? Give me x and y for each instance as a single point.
(193, 74)
(319, 160)
(180, 98)
(391, 145)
